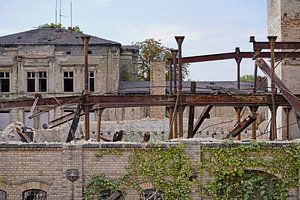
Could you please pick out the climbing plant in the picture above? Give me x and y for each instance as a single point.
(233, 171)
(166, 169)
(100, 185)
(239, 172)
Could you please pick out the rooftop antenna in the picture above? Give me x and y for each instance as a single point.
(71, 13)
(60, 12)
(55, 12)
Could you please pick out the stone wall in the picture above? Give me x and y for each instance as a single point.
(157, 87)
(44, 166)
(284, 22)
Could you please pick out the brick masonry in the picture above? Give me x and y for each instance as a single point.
(284, 22)
(44, 166)
(157, 87)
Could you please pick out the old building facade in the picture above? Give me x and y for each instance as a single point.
(49, 62)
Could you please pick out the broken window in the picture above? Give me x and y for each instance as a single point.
(4, 81)
(68, 81)
(34, 194)
(2, 195)
(30, 81)
(42, 81)
(91, 81)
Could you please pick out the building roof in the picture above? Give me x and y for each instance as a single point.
(203, 87)
(51, 36)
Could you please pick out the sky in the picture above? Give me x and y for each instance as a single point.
(209, 26)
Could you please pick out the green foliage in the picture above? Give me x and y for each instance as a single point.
(52, 25)
(244, 171)
(168, 170)
(239, 172)
(109, 151)
(247, 78)
(2, 180)
(100, 183)
(153, 50)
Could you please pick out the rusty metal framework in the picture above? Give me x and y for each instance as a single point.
(176, 101)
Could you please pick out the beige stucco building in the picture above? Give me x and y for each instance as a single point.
(49, 62)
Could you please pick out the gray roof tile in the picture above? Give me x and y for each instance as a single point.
(51, 36)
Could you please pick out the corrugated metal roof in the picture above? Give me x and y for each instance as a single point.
(51, 36)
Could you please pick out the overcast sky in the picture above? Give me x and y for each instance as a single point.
(210, 26)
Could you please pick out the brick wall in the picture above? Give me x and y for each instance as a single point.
(44, 166)
(283, 22)
(157, 87)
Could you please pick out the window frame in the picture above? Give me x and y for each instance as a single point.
(4, 76)
(68, 77)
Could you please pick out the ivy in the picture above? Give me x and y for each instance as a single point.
(166, 169)
(239, 172)
(228, 171)
(100, 184)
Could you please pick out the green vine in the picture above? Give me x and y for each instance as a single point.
(108, 151)
(100, 184)
(228, 171)
(251, 171)
(166, 169)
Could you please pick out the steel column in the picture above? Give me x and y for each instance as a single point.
(272, 40)
(85, 40)
(191, 112)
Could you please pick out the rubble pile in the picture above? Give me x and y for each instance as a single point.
(132, 130)
(11, 132)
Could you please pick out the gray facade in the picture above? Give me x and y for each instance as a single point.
(49, 62)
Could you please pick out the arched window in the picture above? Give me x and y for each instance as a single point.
(151, 194)
(2, 195)
(34, 194)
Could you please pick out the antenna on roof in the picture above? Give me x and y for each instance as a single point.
(71, 13)
(60, 12)
(55, 12)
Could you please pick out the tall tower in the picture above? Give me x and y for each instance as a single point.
(284, 22)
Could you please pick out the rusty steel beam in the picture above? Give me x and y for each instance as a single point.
(191, 111)
(290, 97)
(241, 126)
(43, 102)
(278, 45)
(63, 119)
(99, 101)
(235, 55)
(204, 115)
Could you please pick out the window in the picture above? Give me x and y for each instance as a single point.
(151, 194)
(37, 81)
(5, 120)
(91, 81)
(68, 81)
(34, 195)
(4, 81)
(42, 81)
(2, 195)
(30, 81)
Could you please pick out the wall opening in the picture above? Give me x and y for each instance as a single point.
(34, 194)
